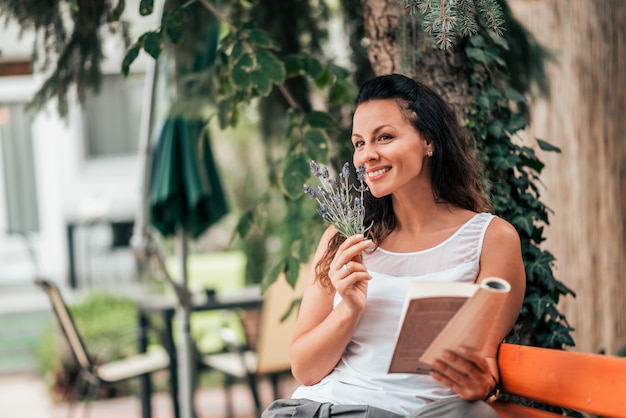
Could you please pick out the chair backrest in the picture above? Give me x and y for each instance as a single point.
(66, 323)
(272, 346)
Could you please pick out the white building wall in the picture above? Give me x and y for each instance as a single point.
(70, 188)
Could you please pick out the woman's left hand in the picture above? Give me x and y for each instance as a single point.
(466, 372)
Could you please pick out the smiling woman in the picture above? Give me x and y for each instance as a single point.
(429, 221)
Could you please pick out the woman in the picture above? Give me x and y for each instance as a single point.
(430, 221)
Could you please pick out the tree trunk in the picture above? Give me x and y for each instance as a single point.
(586, 184)
(396, 44)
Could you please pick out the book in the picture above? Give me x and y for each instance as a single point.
(445, 315)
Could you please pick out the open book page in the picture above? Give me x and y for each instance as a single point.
(439, 316)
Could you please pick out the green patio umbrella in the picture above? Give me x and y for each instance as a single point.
(185, 191)
(186, 198)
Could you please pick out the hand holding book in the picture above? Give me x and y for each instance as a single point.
(445, 315)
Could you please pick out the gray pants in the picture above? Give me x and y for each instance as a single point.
(447, 408)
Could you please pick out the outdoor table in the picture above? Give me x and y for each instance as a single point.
(165, 307)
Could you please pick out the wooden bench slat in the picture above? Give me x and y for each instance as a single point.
(591, 383)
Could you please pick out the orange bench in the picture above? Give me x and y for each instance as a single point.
(588, 383)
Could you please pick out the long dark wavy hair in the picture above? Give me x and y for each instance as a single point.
(456, 174)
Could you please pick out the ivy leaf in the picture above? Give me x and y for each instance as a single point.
(152, 44)
(514, 95)
(477, 54)
(146, 7)
(295, 174)
(516, 123)
(538, 304)
(532, 163)
(546, 146)
(496, 128)
(483, 101)
(322, 120)
(539, 268)
(523, 223)
(131, 55)
(271, 65)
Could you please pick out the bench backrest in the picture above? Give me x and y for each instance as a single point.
(590, 383)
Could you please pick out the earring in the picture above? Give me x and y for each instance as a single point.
(429, 153)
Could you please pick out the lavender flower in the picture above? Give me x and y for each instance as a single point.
(337, 205)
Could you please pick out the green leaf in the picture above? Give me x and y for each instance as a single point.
(271, 65)
(338, 94)
(324, 78)
(496, 128)
(173, 28)
(523, 223)
(239, 48)
(295, 174)
(129, 58)
(244, 225)
(262, 39)
(483, 101)
(272, 274)
(294, 305)
(152, 44)
(499, 40)
(118, 10)
(516, 123)
(146, 7)
(316, 143)
(242, 69)
(532, 163)
(294, 64)
(224, 112)
(546, 146)
(477, 54)
(261, 82)
(514, 95)
(322, 120)
(538, 304)
(313, 67)
(292, 270)
(539, 269)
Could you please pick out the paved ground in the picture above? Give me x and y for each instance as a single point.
(25, 396)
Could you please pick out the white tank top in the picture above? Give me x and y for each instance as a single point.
(360, 377)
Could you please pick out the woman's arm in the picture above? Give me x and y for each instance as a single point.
(468, 372)
(322, 333)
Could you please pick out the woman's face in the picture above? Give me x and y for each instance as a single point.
(391, 149)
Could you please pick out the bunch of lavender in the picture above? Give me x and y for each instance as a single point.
(337, 203)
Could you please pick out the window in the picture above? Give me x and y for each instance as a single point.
(18, 169)
(113, 116)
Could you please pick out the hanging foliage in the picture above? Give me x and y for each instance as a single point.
(68, 43)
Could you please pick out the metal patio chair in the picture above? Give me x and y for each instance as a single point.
(93, 376)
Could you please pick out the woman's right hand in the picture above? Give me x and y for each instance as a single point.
(348, 274)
